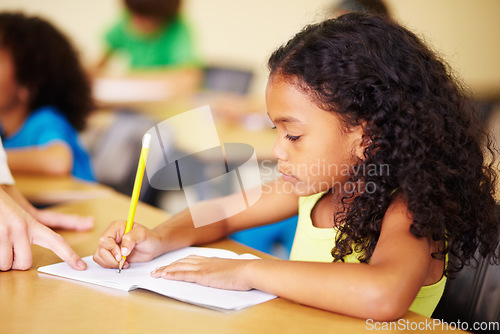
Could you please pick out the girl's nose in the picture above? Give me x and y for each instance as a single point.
(278, 150)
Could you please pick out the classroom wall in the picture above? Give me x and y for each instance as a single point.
(465, 32)
(244, 32)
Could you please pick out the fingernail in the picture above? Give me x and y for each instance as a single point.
(118, 257)
(81, 264)
(125, 251)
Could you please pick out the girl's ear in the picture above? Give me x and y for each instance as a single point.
(361, 141)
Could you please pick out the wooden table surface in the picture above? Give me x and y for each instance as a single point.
(36, 303)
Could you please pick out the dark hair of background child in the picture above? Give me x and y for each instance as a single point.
(162, 10)
(419, 122)
(363, 6)
(46, 63)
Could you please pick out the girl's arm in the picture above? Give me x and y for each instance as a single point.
(143, 244)
(382, 290)
(53, 159)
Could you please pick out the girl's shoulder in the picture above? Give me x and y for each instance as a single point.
(398, 204)
(46, 111)
(397, 214)
(47, 115)
(48, 119)
(42, 125)
(311, 200)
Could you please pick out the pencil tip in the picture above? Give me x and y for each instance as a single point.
(120, 264)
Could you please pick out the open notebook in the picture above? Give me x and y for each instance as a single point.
(138, 276)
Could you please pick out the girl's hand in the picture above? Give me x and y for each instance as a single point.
(139, 245)
(65, 221)
(214, 272)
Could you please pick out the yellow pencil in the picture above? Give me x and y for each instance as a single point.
(137, 190)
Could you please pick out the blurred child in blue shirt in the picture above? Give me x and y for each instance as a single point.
(45, 98)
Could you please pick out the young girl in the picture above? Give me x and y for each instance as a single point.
(381, 157)
(44, 99)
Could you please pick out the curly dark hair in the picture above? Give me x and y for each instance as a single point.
(47, 65)
(418, 121)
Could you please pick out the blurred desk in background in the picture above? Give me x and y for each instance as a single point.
(123, 115)
(238, 119)
(261, 140)
(48, 190)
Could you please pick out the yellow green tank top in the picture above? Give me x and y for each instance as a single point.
(315, 244)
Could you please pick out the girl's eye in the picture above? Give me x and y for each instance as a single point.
(292, 138)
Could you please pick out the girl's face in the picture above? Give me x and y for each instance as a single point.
(313, 148)
(11, 93)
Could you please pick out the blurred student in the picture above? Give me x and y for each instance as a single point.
(21, 225)
(156, 39)
(44, 99)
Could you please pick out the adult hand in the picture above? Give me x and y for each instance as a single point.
(65, 221)
(18, 230)
(47, 217)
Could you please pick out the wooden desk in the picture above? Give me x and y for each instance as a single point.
(38, 303)
(48, 190)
